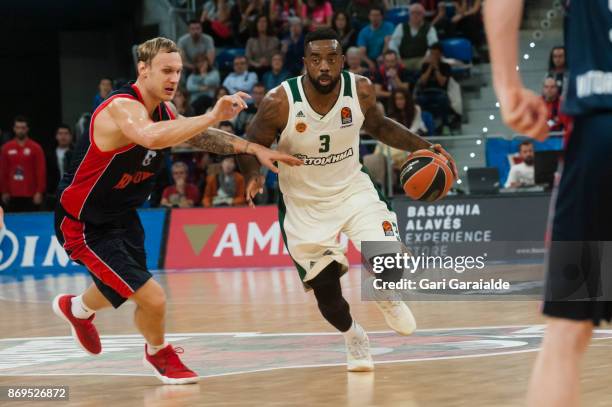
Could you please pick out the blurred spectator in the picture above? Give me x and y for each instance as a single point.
(226, 188)
(22, 170)
(556, 66)
(182, 194)
(468, 21)
(359, 11)
(411, 40)
(202, 83)
(442, 22)
(550, 94)
(432, 85)
(354, 62)
(522, 174)
(261, 46)
(281, 11)
(57, 161)
(194, 43)
(293, 47)
(374, 38)
(242, 121)
(277, 75)
(243, 17)
(215, 19)
(390, 76)
(203, 160)
(222, 91)
(317, 14)
(105, 87)
(182, 102)
(241, 79)
(342, 24)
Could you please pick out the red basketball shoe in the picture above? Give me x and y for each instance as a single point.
(168, 367)
(84, 331)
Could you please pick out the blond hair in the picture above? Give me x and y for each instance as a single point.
(149, 49)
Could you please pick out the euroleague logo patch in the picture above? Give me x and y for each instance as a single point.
(347, 116)
(301, 127)
(387, 228)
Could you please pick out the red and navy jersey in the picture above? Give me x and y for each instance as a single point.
(100, 186)
(588, 43)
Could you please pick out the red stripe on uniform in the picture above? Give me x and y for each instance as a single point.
(169, 111)
(91, 168)
(76, 244)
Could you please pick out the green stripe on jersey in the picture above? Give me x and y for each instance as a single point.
(295, 90)
(348, 88)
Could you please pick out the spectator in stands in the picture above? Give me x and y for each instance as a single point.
(293, 47)
(281, 11)
(359, 11)
(354, 62)
(242, 121)
(241, 79)
(182, 102)
(243, 17)
(57, 161)
(201, 170)
(22, 170)
(390, 76)
(556, 66)
(522, 174)
(432, 85)
(182, 194)
(442, 22)
(194, 43)
(342, 25)
(226, 188)
(374, 38)
(203, 82)
(317, 14)
(215, 19)
(411, 40)
(468, 21)
(221, 91)
(277, 75)
(261, 46)
(550, 94)
(105, 87)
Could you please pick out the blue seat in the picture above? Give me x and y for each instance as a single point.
(225, 58)
(398, 15)
(428, 120)
(458, 48)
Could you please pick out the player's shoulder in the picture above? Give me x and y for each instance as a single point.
(276, 96)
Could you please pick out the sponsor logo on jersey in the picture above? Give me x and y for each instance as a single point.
(301, 127)
(330, 159)
(347, 116)
(135, 178)
(387, 228)
(300, 114)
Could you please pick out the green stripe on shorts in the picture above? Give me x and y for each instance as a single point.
(282, 211)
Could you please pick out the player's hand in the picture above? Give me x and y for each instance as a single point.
(438, 149)
(524, 112)
(229, 106)
(255, 186)
(268, 157)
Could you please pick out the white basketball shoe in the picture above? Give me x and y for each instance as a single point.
(358, 358)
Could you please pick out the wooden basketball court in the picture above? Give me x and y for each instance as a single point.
(258, 339)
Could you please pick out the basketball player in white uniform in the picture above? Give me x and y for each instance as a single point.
(317, 117)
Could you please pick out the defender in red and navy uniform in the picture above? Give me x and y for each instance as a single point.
(578, 292)
(112, 174)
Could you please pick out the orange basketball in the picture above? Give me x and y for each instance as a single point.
(426, 176)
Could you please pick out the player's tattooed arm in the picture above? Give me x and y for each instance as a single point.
(382, 128)
(220, 142)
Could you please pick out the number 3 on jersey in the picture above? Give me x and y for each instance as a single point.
(324, 143)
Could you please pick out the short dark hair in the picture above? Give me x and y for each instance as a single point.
(437, 46)
(194, 21)
(319, 35)
(259, 85)
(226, 123)
(64, 126)
(22, 119)
(379, 8)
(390, 52)
(525, 143)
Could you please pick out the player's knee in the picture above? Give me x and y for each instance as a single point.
(569, 335)
(328, 291)
(152, 298)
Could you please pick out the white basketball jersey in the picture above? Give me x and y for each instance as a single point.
(328, 144)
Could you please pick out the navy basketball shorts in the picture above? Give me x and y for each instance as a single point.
(113, 252)
(579, 261)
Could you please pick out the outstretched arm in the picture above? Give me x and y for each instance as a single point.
(389, 131)
(521, 109)
(270, 119)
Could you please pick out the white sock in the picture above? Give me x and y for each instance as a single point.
(153, 349)
(354, 330)
(79, 309)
